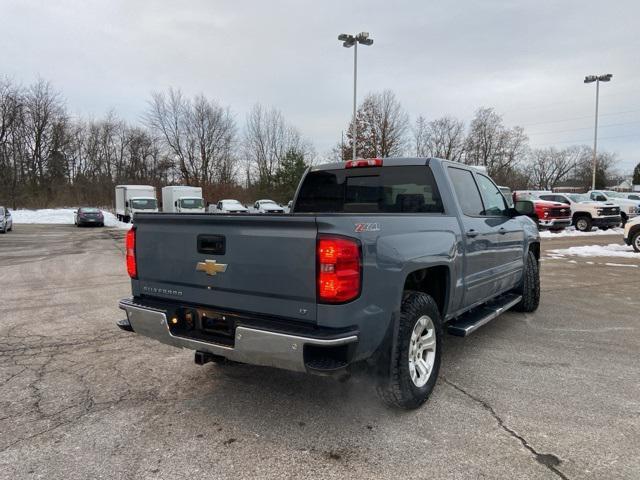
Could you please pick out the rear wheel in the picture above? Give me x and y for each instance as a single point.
(414, 369)
(583, 224)
(635, 241)
(530, 286)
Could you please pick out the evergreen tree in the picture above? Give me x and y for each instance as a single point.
(289, 173)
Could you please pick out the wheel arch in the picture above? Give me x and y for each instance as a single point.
(434, 281)
(577, 215)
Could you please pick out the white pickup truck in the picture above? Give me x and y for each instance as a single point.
(628, 208)
(587, 213)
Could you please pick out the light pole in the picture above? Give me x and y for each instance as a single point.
(348, 42)
(597, 79)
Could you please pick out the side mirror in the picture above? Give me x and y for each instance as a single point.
(175, 204)
(523, 207)
(126, 204)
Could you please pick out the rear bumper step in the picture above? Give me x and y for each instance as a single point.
(251, 345)
(471, 321)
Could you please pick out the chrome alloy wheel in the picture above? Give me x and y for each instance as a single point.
(422, 351)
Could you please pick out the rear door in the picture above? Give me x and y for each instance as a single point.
(260, 264)
(480, 238)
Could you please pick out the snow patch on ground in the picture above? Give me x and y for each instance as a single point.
(620, 265)
(572, 232)
(611, 250)
(60, 216)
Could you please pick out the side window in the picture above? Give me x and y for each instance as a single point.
(466, 191)
(551, 198)
(563, 199)
(494, 204)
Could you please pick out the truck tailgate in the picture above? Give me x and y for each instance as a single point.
(270, 262)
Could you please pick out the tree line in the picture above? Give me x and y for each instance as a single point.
(384, 130)
(48, 158)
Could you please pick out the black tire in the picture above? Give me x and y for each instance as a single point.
(397, 389)
(530, 286)
(635, 241)
(583, 223)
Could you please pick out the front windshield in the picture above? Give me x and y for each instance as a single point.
(613, 194)
(144, 203)
(191, 203)
(579, 197)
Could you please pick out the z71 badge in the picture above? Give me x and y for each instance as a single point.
(367, 227)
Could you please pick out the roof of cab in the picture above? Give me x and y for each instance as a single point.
(387, 162)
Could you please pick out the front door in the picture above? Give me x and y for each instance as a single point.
(480, 239)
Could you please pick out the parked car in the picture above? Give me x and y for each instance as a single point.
(632, 233)
(633, 196)
(587, 213)
(628, 208)
(229, 206)
(553, 216)
(267, 206)
(88, 216)
(377, 261)
(6, 222)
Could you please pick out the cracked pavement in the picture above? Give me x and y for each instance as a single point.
(551, 395)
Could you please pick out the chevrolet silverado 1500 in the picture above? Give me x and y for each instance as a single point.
(377, 259)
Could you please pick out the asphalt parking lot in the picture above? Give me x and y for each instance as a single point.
(555, 394)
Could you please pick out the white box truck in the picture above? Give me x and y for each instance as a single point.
(134, 198)
(182, 199)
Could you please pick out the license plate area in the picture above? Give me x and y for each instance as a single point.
(202, 324)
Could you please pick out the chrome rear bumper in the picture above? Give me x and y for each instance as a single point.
(253, 346)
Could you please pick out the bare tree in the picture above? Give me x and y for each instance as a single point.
(43, 114)
(440, 138)
(382, 127)
(267, 141)
(199, 133)
(549, 166)
(490, 144)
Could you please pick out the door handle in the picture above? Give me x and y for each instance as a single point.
(472, 233)
(502, 231)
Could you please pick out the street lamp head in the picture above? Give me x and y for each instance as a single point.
(349, 43)
(343, 37)
(363, 35)
(605, 78)
(368, 41)
(590, 78)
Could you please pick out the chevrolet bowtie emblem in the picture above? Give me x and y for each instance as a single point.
(211, 267)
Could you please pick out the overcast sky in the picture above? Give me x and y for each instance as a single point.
(526, 59)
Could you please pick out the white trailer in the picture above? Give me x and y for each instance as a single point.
(182, 199)
(134, 198)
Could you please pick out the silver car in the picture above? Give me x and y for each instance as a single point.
(6, 223)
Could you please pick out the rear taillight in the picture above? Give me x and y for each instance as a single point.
(339, 269)
(130, 247)
(364, 162)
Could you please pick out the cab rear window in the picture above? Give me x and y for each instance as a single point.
(402, 189)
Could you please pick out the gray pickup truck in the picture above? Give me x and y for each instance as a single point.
(377, 259)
